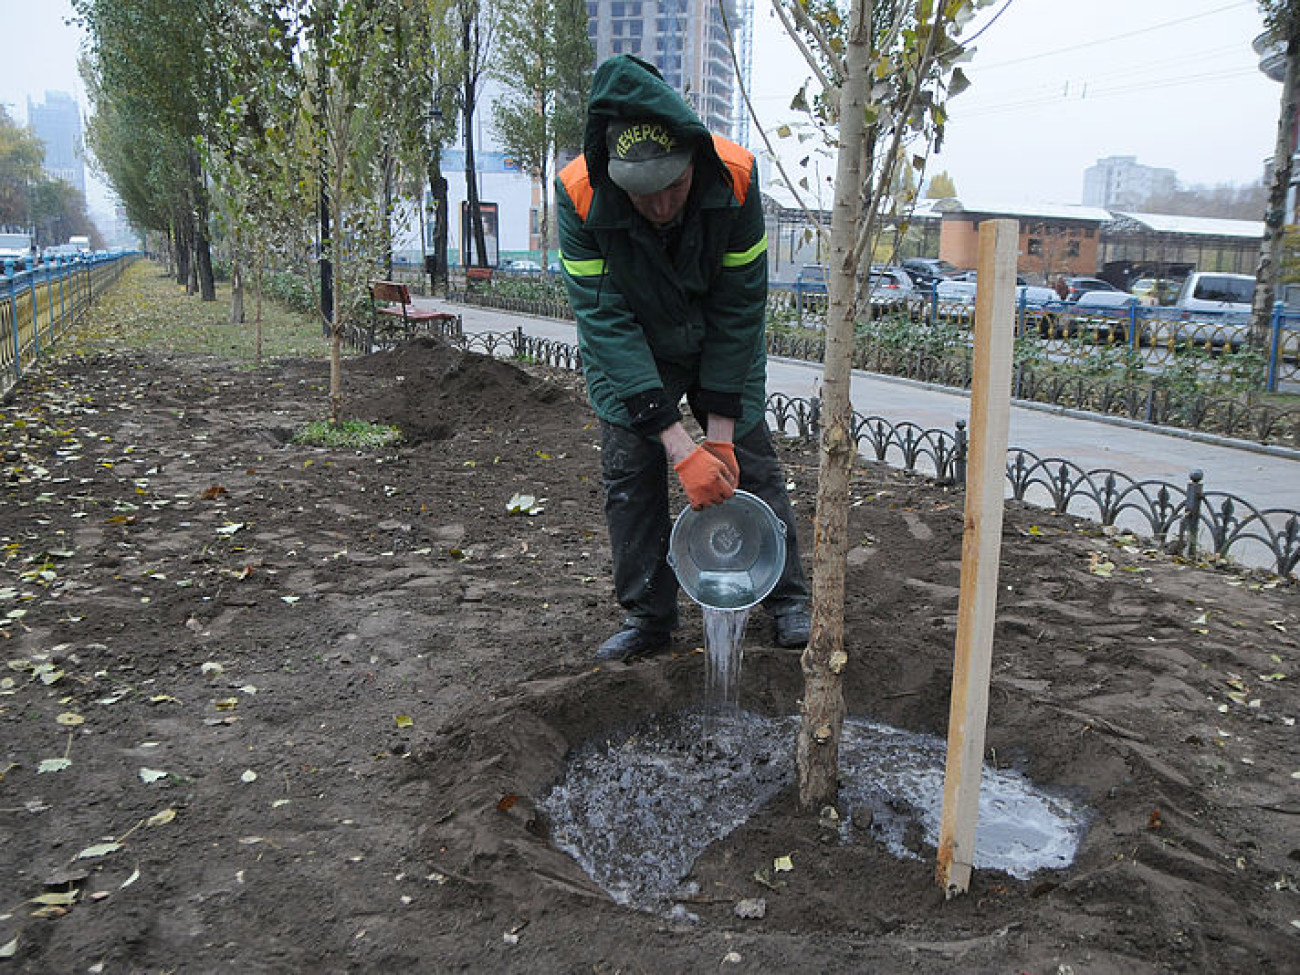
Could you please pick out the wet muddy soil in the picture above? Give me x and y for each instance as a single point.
(275, 708)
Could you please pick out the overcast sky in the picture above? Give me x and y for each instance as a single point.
(1055, 86)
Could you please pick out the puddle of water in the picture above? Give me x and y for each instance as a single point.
(898, 775)
(637, 809)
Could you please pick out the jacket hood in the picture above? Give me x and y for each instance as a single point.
(625, 87)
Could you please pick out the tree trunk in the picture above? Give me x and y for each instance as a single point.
(1275, 219)
(336, 325)
(326, 267)
(257, 307)
(817, 748)
(471, 177)
(206, 280)
(236, 277)
(182, 248)
(236, 292)
(387, 230)
(479, 254)
(438, 187)
(544, 218)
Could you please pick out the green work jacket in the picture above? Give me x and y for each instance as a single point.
(648, 323)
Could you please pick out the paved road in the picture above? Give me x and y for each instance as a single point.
(1266, 477)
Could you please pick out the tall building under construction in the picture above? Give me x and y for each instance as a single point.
(687, 41)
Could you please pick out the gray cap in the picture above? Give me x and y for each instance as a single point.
(646, 155)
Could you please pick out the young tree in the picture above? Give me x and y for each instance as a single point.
(544, 59)
(477, 26)
(426, 56)
(1282, 17)
(884, 74)
(339, 108)
(250, 152)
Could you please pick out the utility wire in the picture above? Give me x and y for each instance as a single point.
(1159, 66)
(1099, 93)
(1114, 37)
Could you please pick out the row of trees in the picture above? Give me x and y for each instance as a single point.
(289, 122)
(281, 131)
(286, 123)
(31, 201)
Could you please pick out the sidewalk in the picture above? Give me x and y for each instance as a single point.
(1267, 477)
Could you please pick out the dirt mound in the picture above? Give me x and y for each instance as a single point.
(431, 389)
(279, 708)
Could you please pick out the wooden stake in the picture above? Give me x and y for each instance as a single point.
(990, 414)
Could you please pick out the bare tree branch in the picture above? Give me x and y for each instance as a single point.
(823, 232)
(783, 10)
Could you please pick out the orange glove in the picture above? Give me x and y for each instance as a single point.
(706, 478)
(725, 451)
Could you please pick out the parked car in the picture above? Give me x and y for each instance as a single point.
(953, 301)
(891, 289)
(925, 272)
(955, 292)
(811, 277)
(1217, 292)
(1035, 295)
(521, 266)
(16, 248)
(1218, 305)
(1289, 295)
(1105, 316)
(1077, 286)
(1154, 291)
(973, 275)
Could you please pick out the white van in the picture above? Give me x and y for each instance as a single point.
(1217, 306)
(1218, 292)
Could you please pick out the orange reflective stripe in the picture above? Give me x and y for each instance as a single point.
(739, 160)
(577, 183)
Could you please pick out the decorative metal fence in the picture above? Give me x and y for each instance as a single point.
(1135, 341)
(1187, 520)
(37, 307)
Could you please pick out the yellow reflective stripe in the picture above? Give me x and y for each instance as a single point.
(584, 269)
(741, 258)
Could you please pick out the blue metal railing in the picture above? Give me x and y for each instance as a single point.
(38, 306)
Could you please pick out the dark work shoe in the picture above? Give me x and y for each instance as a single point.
(791, 629)
(633, 641)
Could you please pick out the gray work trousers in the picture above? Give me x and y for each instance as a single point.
(635, 471)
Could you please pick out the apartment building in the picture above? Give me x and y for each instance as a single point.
(687, 41)
(1123, 183)
(57, 123)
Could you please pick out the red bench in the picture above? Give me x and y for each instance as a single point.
(477, 275)
(393, 299)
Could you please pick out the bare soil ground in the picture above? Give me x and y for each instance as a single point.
(261, 703)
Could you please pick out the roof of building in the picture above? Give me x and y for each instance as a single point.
(1161, 223)
(1042, 211)
(1164, 223)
